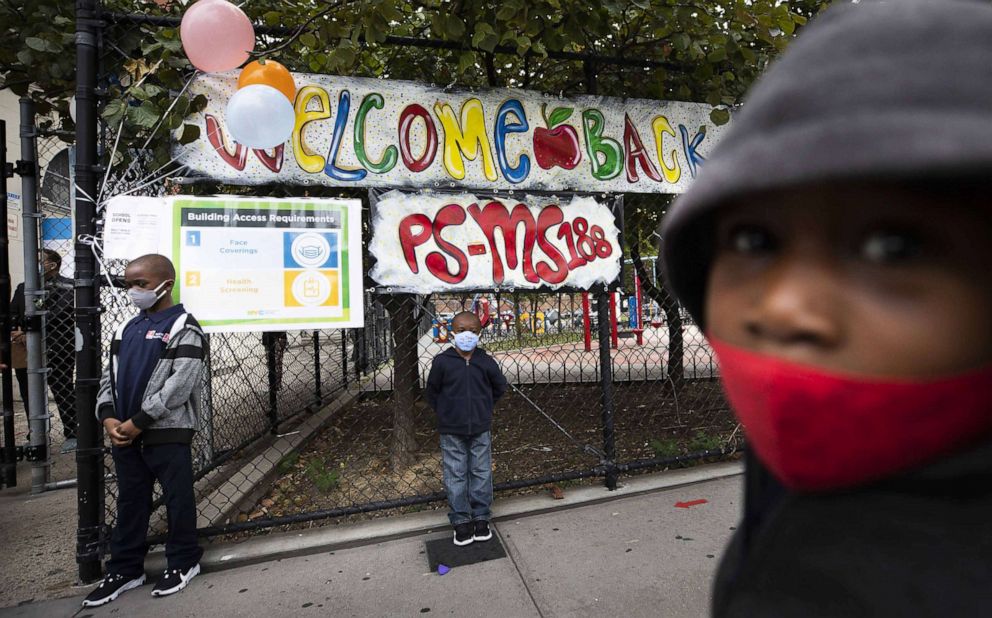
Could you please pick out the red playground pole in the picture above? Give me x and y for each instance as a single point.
(614, 336)
(586, 326)
(640, 307)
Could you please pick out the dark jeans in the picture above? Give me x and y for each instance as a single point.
(63, 389)
(468, 476)
(138, 467)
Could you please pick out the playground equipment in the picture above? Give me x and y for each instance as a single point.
(441, 330)
(636, 320)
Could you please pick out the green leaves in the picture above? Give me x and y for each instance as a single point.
(40, 44)
(447, 25)
(145, 116)
(466, 61)
(189, 134)
(720, 115)
(558, 116)
(485, 37)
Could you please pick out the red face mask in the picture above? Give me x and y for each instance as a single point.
(818, 431)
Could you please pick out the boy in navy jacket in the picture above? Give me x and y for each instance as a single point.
(149, 404)
(463, 385)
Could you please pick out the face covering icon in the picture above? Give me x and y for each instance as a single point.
(466, 340)
(145, 299)
(311, 252)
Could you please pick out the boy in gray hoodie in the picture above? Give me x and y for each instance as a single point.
(149, 404)
(835, 250)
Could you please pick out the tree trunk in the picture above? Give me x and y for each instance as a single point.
(673, 319)
(405, 381)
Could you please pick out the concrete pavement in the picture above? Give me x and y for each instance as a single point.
(634, 556)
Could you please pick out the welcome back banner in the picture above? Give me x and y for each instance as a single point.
(375, 133)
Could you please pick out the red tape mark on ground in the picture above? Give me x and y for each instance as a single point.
(685, 505)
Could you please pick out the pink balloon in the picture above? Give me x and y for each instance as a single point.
(216, 35)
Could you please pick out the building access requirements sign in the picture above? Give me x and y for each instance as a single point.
(256, 265)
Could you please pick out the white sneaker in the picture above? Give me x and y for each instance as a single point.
(110, 588)
(175, 580)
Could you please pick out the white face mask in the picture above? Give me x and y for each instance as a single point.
(466, 340)
(146, 299)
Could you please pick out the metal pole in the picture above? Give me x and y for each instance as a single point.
(344, 356)
(603, 300)
(34, 317)
(318, 386)
(614, 335)
(89, 455)
(8, 468)
(269, 342)
(207, 413)
(640, 302)
(586, 327)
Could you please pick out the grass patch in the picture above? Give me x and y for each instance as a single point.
(665, 448)
(532, 341)
(324, 477)
(287, 463)
(700, 441)
(703, 441)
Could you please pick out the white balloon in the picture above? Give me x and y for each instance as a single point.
(260, 116)
(72, 107)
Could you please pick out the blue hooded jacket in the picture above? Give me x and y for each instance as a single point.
(463, 392)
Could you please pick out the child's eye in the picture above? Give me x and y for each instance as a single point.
(749, 238)
(887, 246)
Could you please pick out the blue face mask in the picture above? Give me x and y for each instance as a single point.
(466, 340)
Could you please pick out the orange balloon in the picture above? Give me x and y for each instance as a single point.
(269, 73)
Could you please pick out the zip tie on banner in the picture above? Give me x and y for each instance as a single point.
(103, 204)
(94, 245)
(86, 196)
(113, 154)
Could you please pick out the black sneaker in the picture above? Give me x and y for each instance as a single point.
(110, 588)
(175, 580)
(482, 531)
(463, 534)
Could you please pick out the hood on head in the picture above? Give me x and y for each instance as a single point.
(871, 91)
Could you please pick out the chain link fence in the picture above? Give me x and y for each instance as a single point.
(53, 262)
(382, 451)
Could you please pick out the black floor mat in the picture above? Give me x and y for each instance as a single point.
(443, 551)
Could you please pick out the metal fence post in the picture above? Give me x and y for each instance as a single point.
(318, 385)
(207, 420)
(8, 467)
(269, 342)
(34, 316)
(344, 356)
(603, 299)
(89, 455)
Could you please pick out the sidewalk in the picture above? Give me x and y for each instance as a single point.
(633, 556)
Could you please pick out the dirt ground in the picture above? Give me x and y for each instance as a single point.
(350, 462)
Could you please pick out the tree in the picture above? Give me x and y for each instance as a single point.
(691, 50)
